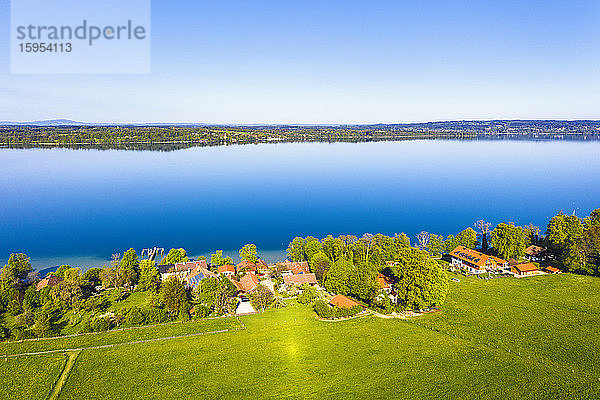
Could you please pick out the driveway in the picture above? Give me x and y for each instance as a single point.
(245, 308)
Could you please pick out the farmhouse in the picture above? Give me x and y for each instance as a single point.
(536, 253)
(248, 283)
(226, 270)
(291, 280)
(295, 267)
(343, 302)
(246, 266)
(50, 280)
(386, 288)
(475, 262)
(526, 269)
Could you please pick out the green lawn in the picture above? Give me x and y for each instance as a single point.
(551, 320)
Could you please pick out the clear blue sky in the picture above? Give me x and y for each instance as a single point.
(336, 62)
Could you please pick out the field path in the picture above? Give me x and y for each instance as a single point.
(72, 356)
(103, 346)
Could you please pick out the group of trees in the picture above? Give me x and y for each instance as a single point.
(349, 265)
(83, 300)
(575, 242)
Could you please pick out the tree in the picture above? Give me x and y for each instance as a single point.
(337, 278)
(320, 264)
(72, 274)
(362, 283)
(508, 241)
(248, 252)
(563, 233)
(129, 267)
(68, 292)
(60, 272)
(421, 282)
(92, 276)
(332, 247)
(312, 247)
(467, 238)
(423, 239)
(218, 259)
(308, 294)
(175, 256)
(436, 245)
(206, 291)
(149, 276)
(261, 297)
(484, 228)
(16, 269)
(295, 250)
(532, 234)
(173, 294)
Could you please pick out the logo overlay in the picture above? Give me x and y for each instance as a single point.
(79, 37)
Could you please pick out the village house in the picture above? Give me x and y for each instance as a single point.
(475, 262)
(300, 279)
(294, 267)
(525, 269)
(536, 253)
(246, 284)
(245, 266)
(191, 272)
(226, 270)
(51, 280)
(386, 288)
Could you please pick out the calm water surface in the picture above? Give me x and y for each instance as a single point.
(80, 206)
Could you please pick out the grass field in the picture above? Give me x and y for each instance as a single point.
(505, 338)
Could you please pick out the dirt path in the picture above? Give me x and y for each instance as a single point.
(72, 356)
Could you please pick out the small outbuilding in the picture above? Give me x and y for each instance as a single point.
(524, 269)
(342, 301)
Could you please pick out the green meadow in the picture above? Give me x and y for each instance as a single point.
(503, 338)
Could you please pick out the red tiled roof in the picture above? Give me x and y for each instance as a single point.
(300, 279)
(534, 250)
(246, 265)
(474, 257)
(553, 270)
(249, 282)
(50, 280)
(343, 302)
(226, 268)
(384, 281)
(528, 267)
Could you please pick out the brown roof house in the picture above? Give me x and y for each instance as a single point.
(536, 253)
(246, 266)
(51, 280)
(291, 280)
(526, 269)
(475, 262)
(249, 282)
(226, 270)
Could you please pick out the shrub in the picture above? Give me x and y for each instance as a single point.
(201, 311)
(322, 309)
(101, 324)
(157, 316)
(135, 316)
(308, 294)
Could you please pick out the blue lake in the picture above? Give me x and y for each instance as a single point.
(80, 206)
